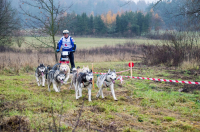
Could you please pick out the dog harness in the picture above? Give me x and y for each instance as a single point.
(106, 83)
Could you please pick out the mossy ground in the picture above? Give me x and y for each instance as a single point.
(142, 105)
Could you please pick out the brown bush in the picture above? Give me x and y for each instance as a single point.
(163, 55)
(183, 46)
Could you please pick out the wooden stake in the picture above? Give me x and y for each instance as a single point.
(131, 70)
(93, 76)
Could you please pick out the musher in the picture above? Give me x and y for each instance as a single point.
(68, 44)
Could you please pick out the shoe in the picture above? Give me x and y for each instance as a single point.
(74, 69)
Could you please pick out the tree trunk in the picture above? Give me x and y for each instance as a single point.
(53, 34)
(56, 57)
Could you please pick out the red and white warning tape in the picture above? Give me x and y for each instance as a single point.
(99, 73)
(164, 80)
(153, 79)
(123, 71)
(106, 73)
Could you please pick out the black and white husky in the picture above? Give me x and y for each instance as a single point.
(56, 78)
(40, 75)
(84, 80)
(74, 74)
(107, 80)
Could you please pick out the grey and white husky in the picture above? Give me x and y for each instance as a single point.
(84, 80)
(56, 78)
(40, 75)
(74, 74)
(64, 68)
(107, 80)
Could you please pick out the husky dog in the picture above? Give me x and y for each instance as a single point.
(106, 81)
(84, 69)
(57, 78)
(74, 74)
(84, 80)
(40, 74)
(65, 68)
(48, 68)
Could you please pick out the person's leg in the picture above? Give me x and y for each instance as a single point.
(71, 58)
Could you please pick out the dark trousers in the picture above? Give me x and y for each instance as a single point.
(71, 58)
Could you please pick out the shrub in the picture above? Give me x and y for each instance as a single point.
(174, 51)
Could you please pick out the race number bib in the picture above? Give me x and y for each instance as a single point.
(65, 53)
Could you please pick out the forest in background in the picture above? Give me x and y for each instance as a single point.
(120, 24)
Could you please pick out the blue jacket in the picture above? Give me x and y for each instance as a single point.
(66, 43)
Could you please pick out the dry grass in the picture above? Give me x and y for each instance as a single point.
(16, 61)
(30, 58)
(193, 64)
(19, 60)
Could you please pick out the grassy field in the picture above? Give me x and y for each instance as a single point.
(142, 105)
(94, 42)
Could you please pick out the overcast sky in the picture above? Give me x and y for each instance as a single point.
(147, 0)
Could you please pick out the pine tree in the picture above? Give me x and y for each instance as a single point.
(99, 25)
(85, 20)
(118, 24)
(79, 25)
(91, 24)
(140, 22)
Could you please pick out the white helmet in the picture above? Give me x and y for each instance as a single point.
(66, 31)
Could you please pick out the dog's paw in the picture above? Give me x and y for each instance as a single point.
(77, 97)
(116, 99)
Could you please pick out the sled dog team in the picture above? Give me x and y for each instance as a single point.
(80, 78)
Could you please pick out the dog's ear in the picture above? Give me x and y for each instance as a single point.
(108, 70)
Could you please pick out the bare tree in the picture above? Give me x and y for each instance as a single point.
(18, 37)
(42, 18)
(9, 22)
(188, 11)
(187, 7)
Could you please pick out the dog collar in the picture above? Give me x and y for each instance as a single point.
(106, 80)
